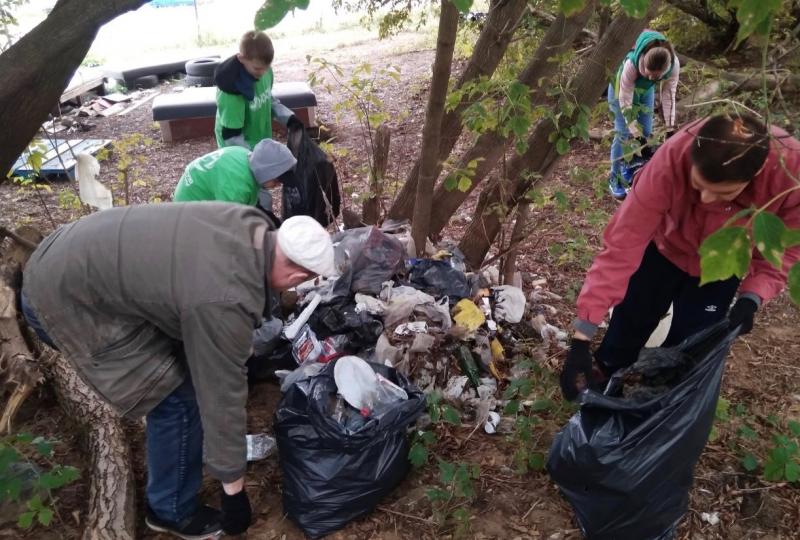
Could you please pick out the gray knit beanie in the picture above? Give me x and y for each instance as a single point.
(269, 160)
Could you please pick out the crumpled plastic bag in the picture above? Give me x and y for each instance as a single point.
(368, 257)
(467, 315)
(510, 303)
(626, 465)
(439, 278)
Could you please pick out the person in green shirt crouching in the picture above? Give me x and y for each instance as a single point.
(235, 174)
(245, 106)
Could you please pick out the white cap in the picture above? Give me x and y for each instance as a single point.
(306, 243)
(270, 159)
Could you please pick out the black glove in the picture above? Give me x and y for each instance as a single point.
(294, 123)
(742, 313)
(236, 512)
(579, 361)
(670, 133)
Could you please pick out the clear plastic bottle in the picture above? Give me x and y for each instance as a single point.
(386, 396)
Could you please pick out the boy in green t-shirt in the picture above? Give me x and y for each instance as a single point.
(245, 105)
(235, 174)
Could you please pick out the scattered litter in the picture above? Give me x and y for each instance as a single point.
(406, 329)
(291, 331)
(306, 347)
(440, 279)
(370, 304)
(548, 332)
(509, 303)
(260, 446)
(710, 518)
(422, 343)
(91, 192)
(467, 364)
(369, 257)
(385, 351)
(467, 315)
(490, 426)
(455, 387)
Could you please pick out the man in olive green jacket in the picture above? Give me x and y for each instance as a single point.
(155, 306)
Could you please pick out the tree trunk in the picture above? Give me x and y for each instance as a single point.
(429, 156)
(496, 203)
(112, 514)
(38, 67)
(606, 15)
(724, 29)
(371, 212)
(491, 146)
(517, 237)
(486, 55)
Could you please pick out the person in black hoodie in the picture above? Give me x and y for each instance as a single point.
(245, 106)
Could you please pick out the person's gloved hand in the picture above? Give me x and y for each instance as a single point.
(236, 512)
(509, 304)
(294, 123)
(742, 313)
(579, 362)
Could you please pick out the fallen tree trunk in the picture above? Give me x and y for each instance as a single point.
(112, 513)
(495, 204)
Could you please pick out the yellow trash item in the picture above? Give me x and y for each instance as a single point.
(498, 353)
(467, 315)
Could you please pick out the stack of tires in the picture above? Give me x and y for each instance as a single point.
(200, 72)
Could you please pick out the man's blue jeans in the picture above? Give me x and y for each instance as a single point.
(175, 455)
(174, 445)
(621, 133)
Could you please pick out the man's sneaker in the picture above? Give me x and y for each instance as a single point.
(204, 524)
(617, 189)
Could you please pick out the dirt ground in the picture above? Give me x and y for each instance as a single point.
(760, 384)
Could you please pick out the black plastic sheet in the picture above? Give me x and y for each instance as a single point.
(626, 465)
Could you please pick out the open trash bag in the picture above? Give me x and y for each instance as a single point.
(334, 471)
(626, 463)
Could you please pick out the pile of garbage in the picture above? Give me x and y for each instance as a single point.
(447, 329)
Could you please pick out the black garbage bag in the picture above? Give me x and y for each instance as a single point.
(315, 189)
(330, 475)
(626, 465)
(369, 257)
(340, 317)
(439, 278)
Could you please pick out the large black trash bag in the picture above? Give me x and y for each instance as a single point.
(315, 191)
(330, 477)
(340, 317)
(439, 278)
(626, 464)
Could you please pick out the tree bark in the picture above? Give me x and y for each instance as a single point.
(486, 55)
(38, 67)
(491, 146)
(496, 203)
(517, 236)
(725, 29)
(371, 212)
(429, 156)
(112, 513)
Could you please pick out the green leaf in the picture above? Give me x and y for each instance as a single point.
(43, 446)
(418, 455)
(45, 516)
(511, 408)
(746, 432)
(447, 471)
(462, 5)
(768, 234)
(435, 494)
(751, 15)
(451, 416)
(723, 254)
(722, 408)
(794, 428)
(774, 471)
(542, 405)
(635, 8)
(273, 12)
(450, 182)
(791, 238)
(571, 7)
(8, 455)
(536, 461)
(562, 146)
(793, 282)
(25, 520)
(750, 463)
(464, 183)
(792, 471)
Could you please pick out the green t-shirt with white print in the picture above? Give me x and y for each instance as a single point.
(253, 117)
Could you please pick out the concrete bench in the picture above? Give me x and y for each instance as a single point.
(191, 113)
